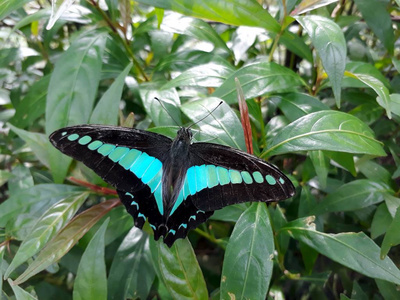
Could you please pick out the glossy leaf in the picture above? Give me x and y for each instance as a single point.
(38, 143)
(222, 123)
(33, 105)
(72, 89)
(35, 200)
(106, 110)
(91, 278)
(20, 294)
(67, 238)
(247, 268)
(325, 130)
(352, 250)
(381, 221)
(196, 28)
(234, 12)
(178, 269)
(297, 105)
(257, 79)
(329, 41)
(309, 5)
(321, 166)
(378, 19)
(46, 228)
(395, 103)
(392, 235)
(8, 6)
(352, 196)
(127, 277)
(208, 75)
(57, 9)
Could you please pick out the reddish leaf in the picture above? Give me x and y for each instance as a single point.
(244, 117)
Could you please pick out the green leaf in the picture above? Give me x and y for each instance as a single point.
(196, 28)
(8, 6)
(38, 143)
(234, 12)
(248, 262)
(381, 221)
(34, 200)
(19, 293)
(67, 238)
(222, 123)
(257, 79)
(208, 75)
(329, 41)
(2, 249)
(352, 250)
(379, 20)
(22, 179)
(325, 130)
(57, 9)
(321, 166)
(352, 196)
(106, 110)
(33, 105)
(395, 103)
(307, 202)
(309, 5)
(297, 105)
(127, 279)
(388, 290)
(178, 269)
(383, 98)
(4, 176)
(91, 278)
(375, 172)
(392, 237)
(72, 90)
(46, 228)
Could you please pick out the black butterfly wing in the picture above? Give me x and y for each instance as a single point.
(233, 176)
(129, 159)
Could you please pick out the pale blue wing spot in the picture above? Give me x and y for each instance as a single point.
(140, 215)
(64, 133)
(135, 203)
(201, 177)
(129, 194)
(192, 217)
(191, 178)
(141, 164)
(172, 231)
(118, 154)
(223, 176)
(178, 202)
(94, 145)
(152, 226)
(106, 149)
(182, 225)
(258, 177)
(202, 211)
(158, 197)
(247, 177)
(151, 171)
(281, 180)
(85, 140)
(73, 137)
(129, 159)
(271, 180)
(212, 178)
(236, 177)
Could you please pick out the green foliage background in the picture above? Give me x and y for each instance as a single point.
(322, 83)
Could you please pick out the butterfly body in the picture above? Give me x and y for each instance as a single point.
(173, 184)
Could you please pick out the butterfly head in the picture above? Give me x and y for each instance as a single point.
(184, 135)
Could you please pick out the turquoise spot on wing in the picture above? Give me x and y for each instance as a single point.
(247, 177)
(281, 180)
(172, 231)
(223, 176)
(135, 203)
(73, 137)
(236, 177)
(94, 145)
(258, 177)
(140, 215)
(106, 149)
(185, 188)
(192, 217)
(201, 177)
(202, 211)
(178, 202)
(182, 225)
(212, 178)
(271, 180)
(64, 133)
(155, 182)
(85, 140)
(158, 197)
(128, 160)
(152, 226)
(191, 178)
(130, 195)
(118, 153)
(141, 164)
(152, 171)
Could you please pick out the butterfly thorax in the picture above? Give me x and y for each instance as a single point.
(175, 167)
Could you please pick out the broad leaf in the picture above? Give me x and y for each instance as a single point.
(392, 235)
(8, 6)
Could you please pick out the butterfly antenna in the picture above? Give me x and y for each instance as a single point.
(162, 105)
(219, 104)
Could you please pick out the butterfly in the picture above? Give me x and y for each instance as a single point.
(173, 184)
